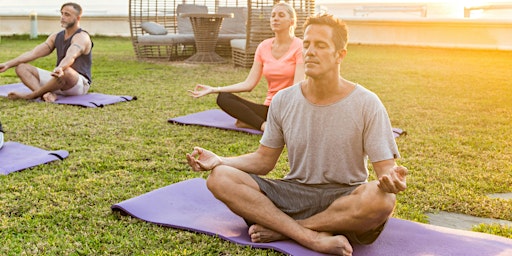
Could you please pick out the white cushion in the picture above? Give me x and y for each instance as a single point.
(153, 28)
(166, 39)
(238, 43)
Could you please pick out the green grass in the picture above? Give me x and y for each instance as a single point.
(455, 105)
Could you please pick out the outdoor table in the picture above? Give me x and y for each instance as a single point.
(206, 28)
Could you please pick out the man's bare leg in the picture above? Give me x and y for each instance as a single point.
(44, 92)
(365, 209)
(250, 203)
(340, 217)
(30, 77)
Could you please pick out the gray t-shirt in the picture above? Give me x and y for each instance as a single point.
(331, 143)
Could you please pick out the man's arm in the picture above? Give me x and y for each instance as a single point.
(39, 51)
(80, 44)
(260, 162)
(391, 177)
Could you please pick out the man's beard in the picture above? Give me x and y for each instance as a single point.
(68, 25)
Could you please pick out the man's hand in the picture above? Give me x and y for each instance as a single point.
(202, 160)
(394, 181)
(57, 72)
(3, 67)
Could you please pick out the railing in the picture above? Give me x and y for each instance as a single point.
(467, 10)
(365, 10)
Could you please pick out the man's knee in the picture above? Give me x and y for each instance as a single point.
(223, 179)
(218, 180)
(22, 68)
(376, 204)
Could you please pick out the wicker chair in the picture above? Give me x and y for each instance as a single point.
(258, 27)
(169, 36)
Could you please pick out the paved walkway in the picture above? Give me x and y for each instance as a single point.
(466, 222)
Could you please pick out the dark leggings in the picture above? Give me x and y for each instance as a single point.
(248, 112)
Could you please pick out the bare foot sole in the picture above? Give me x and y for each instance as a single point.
(332, 244)
(49, 97)
(260, 234)
(14, 96)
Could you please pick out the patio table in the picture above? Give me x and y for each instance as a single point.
(206, 28)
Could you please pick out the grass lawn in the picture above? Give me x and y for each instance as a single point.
(456, 106)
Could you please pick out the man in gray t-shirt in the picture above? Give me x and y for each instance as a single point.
(331, 128)
(329, 143)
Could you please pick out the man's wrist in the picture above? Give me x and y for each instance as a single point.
(219, 163)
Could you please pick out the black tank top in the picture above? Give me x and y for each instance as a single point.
(83, 63)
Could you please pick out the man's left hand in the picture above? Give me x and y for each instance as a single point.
(394, 181)
(57, 72)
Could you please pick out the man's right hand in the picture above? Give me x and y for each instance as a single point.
(203, 160)
(3, 67)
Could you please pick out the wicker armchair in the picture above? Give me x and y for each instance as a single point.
(159, 33)
(258, 27)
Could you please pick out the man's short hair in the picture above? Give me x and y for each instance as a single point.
(339, 28)
(75, 6)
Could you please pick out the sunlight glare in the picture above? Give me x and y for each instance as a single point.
(473, 3)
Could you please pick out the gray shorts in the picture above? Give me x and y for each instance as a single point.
(80, 88)
(302, 201)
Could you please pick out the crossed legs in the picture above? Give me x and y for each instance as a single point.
(30, 77)
(365, 209)
(248, 114)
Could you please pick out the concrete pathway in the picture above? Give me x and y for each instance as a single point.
(463, 221)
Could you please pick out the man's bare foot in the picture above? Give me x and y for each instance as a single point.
(241, 124)
(16, 96)
(260, 234)
(322, 241)
(49, 97)
(332, 244)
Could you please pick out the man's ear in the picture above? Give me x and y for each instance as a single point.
(340, 55)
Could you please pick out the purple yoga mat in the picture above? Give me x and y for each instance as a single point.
(15, 156)
(90, 100)
(212, 118)
(188, 205)
(220, 119)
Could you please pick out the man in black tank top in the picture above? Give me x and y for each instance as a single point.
(72, 74)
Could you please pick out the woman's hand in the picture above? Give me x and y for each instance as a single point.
(201, 90)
